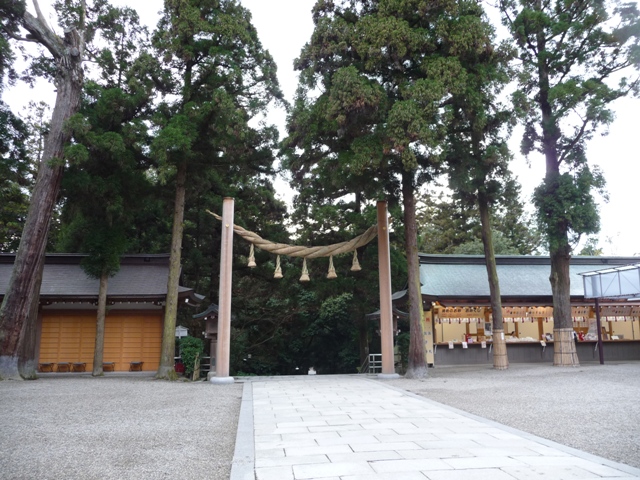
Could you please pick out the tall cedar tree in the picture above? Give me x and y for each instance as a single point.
(20, 305)
(375, 78)
(573, 57)
(222, 79)
(477, 159)
(103, 186)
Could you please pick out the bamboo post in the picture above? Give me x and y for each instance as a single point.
(224, 303)
(384, 268)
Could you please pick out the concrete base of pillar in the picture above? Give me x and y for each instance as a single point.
(221, 380)
(388, 376)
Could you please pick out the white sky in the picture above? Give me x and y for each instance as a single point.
(284, 26)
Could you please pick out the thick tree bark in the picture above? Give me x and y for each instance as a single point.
(98, 352)
(27, 355)
(557, 227)
(417, 356)
(564, 347)
(565, 353)
(18, 314)
(166, 369)
(500, 358)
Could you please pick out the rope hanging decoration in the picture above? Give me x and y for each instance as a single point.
(305, 252)
(252, 259)
(278, 272)
(305, 272)
(355, 266)
(332, 270)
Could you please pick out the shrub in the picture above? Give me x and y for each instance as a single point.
(190, 349)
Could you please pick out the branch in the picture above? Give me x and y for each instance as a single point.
(37, 27)
(83, 16)
(43, 35)
(574, 142)
(39, 12)
(12, 35)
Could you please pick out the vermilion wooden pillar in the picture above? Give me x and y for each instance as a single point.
(224, 301)
(384, 266)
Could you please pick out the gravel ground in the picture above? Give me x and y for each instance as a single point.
(594, 408)
(73, 426)
(116, 427)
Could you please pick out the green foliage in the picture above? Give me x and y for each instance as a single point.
(370, 115)
(379, 111)
(576, 58)
(217, 79)
(191, 348)
(285, 327)
(21, 145)
(402, 342)
(565, 203)
(591, 248)
(449, 225)
(10, 15)
(501, 246)
(14, 178)
(106, 180)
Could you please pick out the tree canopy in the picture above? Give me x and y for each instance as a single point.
(575, 59)
(152, 129)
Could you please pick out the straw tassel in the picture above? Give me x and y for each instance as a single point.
(355, 266)
(252, 258)
(305, 272)
(278, 272)
(332, 270)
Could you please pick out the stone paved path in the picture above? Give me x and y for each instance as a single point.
(353, 428)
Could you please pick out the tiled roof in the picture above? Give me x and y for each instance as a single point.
(140, 276)
(521, 277)
(211, 311)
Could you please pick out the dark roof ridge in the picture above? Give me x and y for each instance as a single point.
(522, 259)
(76, 258)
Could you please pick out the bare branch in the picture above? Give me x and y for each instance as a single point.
(576, 139)
(44, 35)
(39, 12)
(83, 16)
(12, 35)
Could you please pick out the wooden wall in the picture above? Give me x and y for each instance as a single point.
(129, 337)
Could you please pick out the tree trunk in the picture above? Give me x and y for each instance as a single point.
(98, 352)
(166, 369)
(417, 358)
(564, 347)
(557, 227)
(18, 314)
(500, 358)
(27, 358)
(363, 323)
(363, 339)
